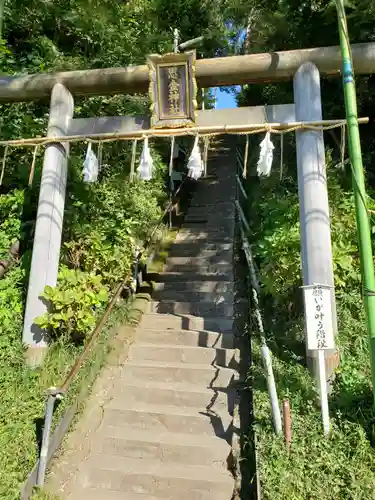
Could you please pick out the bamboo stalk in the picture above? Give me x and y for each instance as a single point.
(275, 127)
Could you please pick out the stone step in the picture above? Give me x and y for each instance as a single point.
(175, 394)
(184, 449)
(218, 240)
(214, 197)
(201, 338)
(195, 263)
(188, 296)
(168, 372)
(207, 286)
(200, 266)
(211, 251)
(183, 354)
(196, 286)
(216, 275)
(192, 220)
(195, 307)
(221, 207)
(169, 418)
(214, 235)
(150, 477)
(212, 194)
(186, 322)
(209, 227)
(101, 494)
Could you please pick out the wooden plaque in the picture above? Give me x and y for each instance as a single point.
(173, 90)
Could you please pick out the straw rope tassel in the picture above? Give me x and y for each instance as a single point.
(246, 157)
(3, 166)
(32, 169)
(173, 139)
(281, 156)
(205, 154)
(132, 165)
(100, 156)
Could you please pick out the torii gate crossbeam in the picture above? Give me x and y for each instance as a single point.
(216, 72)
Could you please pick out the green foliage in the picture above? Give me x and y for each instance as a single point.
(103, 222)
(10, 222)
(336, 468)
(341, 467)
(73, 303)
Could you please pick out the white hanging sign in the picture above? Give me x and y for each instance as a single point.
(318, 314)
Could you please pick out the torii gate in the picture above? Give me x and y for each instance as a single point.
(303, 66)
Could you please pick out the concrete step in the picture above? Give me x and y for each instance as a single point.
(221, 207)
(201, 338)
(209, 261)
(183, 354)
(205, 201)
(186, 322)
(168, 372)
(188, 296)
(192, 220)
(214, 194)
(184, 449)
(150, 477)
(169, 418)
(200, 266)
(103, 494)
(223, 198)
(196, 286)
(100, 494)
(176, 394)
(212, 235)
(210, 227)
(212, 251)
(195, 307)
(216, 275)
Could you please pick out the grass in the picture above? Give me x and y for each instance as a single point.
(22, 401)
(341, 467)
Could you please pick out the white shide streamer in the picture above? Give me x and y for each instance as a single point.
(195, 164)
(146, 164)
(90, 166)
(266, 156)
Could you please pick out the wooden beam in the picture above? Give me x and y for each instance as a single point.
(216, 72)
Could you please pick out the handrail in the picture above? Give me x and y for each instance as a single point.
(54, 393)
(240, 185)
(265, 352)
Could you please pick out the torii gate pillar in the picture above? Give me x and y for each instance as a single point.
(49, 221)
(316, 249)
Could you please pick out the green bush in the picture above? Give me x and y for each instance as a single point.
(73, 304)
(343, 466)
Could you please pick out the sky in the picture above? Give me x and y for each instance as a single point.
(225, 100)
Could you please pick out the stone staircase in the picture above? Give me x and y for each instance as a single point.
(166, 429)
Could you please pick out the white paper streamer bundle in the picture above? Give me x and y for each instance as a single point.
(146, 164)
(266, 156)
(195, 164)
(90, 166)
